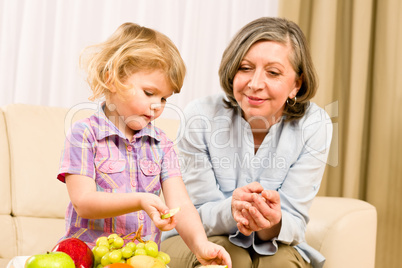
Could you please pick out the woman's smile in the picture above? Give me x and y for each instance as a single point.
(252, 100)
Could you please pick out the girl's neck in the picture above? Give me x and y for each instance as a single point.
(118, 121)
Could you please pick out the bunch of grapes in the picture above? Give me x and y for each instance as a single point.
(112, 249)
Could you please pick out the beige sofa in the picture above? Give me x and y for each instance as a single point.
(33, 202)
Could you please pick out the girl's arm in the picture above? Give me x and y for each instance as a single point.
(189, 224)
(91, 204)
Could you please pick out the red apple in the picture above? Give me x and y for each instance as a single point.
(78, 250)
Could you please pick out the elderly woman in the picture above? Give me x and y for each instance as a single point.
(253, 158)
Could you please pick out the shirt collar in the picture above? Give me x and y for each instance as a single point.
(106, 128)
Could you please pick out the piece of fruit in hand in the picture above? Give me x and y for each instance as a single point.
(170, 213)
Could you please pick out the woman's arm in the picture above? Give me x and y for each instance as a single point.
(298, 189)
(213, 205)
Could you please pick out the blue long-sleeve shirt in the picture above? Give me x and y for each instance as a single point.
(217, 156)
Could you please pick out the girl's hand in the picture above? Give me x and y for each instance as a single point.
(154, 207)
(209, 253)
(264, 214)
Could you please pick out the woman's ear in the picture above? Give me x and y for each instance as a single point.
(298, 84)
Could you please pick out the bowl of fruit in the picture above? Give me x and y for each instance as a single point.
(113, 251)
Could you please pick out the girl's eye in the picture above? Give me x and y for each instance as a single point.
(148, 93)
(164, 100)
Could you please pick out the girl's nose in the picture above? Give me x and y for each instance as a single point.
(156, 106)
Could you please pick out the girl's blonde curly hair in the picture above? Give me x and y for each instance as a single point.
(131, 48)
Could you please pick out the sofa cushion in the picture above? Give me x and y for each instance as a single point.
(38, 235)
(8, 246)
(343, 221)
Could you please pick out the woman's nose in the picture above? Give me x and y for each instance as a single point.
(257, 80)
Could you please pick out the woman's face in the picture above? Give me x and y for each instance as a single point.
(264, 81)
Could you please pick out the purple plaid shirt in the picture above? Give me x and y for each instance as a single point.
(96, 148)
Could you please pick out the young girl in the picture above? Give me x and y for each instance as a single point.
(115, 162)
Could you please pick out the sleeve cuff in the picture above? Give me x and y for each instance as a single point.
(289, 235)
(261, 247)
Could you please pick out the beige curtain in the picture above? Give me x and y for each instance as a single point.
(357, 50)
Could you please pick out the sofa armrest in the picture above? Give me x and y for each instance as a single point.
(344, 231)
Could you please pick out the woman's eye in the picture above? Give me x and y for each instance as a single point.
(273, 73)
(244, 68)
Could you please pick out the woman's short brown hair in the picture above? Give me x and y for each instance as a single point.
(131, 48)
(278, 30)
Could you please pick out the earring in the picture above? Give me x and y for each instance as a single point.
(293, 104)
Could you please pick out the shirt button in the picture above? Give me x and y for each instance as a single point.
(248, 180)
(129, 148)
(141, 216)
(111, 166)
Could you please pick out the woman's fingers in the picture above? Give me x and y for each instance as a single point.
(244, 229)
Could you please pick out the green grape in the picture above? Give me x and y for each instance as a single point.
(97, 258)
(94, 251)
(100, 251)
(99, 266)
(140, 251)
(101, 239)
(126, 252)
(105, 259)
(103, 243)
(163, 257)
(115, 256)
(118, 242)
(150, 242)
(152, 249)
(111, 238)
(141, 245)
(131, 245)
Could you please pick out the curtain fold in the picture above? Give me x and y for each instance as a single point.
(356, 49)
(384, 179)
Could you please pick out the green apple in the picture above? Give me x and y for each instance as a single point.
(50, 260)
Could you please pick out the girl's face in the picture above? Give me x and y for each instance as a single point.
(263, 83)
(144, 101)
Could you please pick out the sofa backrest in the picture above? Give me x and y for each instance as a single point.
(35, 136)
(32, 138)
(7, 230)
(5, 188)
